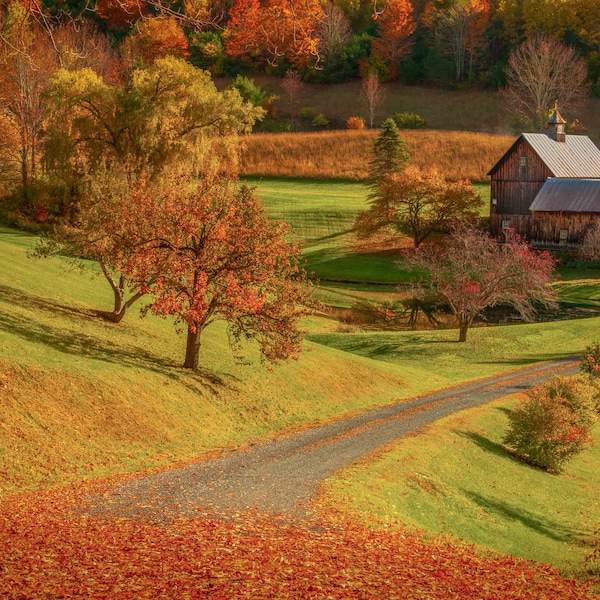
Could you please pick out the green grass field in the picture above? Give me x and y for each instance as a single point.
(455, 478)
(82, 398)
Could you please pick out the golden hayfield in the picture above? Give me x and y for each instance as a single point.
(346, 154)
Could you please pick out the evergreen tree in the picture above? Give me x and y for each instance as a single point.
(390, 154)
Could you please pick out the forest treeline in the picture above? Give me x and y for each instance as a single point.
(446, 42)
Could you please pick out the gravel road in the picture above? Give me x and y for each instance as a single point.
(280, 476)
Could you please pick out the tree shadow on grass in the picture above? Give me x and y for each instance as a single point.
(485, 444)
(539, 523)
(93, 347)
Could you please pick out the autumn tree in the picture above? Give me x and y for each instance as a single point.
(109, 229)
(27, 61)
(293, 87)
(539, 73)
(162, 120)
(153, 38)
(459, 29)
(217, 255)
(333, 31)
(275, 29)
(121, 13)
(395, 26)
(552, 425)
(472, 272)
(372, 94)
(417, 203)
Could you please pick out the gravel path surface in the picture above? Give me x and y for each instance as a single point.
(281, 476)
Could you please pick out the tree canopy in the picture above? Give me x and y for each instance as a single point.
(471, 272)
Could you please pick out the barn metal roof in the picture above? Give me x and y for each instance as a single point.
(568, 195)
(577, 156)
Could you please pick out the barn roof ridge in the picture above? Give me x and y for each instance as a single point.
(576, 157)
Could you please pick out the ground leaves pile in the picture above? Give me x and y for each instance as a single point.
(49, 551)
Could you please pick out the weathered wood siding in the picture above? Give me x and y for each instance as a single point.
(546, 228)
(521, 224)
(515, 182)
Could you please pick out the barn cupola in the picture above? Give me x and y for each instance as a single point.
(556, 125)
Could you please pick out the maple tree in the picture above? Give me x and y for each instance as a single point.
(539, 73)
(472, 272)
(395, 26)
(417, 203)
(162, 120)
(121, 13)
(275, 29)
(212, 253)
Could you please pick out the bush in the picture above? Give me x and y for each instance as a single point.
(408, 120)
(356, 123)
(320, 121)
(553, 424)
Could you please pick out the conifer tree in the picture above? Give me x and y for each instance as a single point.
(390, 154)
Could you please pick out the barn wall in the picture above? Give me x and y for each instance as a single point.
(546, 227)
(514, 185)
(521, 224)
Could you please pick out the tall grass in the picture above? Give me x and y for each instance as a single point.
(346, 154)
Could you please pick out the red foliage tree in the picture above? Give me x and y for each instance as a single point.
(395, 26)
(121, 13)
(214, 254)
(471, 271)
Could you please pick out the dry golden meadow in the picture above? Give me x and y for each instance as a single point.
(345, 154)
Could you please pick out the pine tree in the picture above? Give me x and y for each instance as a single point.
(390, 154)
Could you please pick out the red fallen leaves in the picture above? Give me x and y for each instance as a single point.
(47, 552)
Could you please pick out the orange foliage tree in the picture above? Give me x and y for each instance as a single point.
(395, 26)
(417, 203)
(212, 254)
(275, 29)
(154, 38)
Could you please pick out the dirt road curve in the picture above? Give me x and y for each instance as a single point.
(281, 476)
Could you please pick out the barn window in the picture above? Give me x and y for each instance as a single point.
(505, 223)
(563, 237)
(522, 161)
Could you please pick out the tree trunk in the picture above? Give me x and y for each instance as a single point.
(463, 329)
(192, 350)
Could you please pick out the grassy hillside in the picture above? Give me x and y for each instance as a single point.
(83, 398)
(455, 478)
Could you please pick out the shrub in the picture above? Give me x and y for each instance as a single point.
(409, 120)
(356, 123)
(320, 121)
(553, 424)
(590, 361)
(307, 113)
